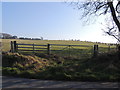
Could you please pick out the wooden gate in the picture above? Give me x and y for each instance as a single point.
(32, 48)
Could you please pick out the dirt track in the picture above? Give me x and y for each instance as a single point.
(12, 82)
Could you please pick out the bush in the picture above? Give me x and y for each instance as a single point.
(10, 71)
(101, 68)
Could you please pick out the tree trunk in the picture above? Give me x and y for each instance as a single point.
(113, 13)
(119, 52)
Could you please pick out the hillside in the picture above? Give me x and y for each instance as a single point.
(6, 42)
(104, 67)
(41, 66)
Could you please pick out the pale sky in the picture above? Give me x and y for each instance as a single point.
(51, 20)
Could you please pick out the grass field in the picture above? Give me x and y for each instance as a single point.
(6, 42)
(105, 67)
(74, 51)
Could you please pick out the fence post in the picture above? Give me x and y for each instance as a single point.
(48, 49)
(15, 46)
(69, 50)
(11, 43)
(95, 51)
(109, 48)
(33, 48)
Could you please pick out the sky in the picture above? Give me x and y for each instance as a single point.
(50, 20)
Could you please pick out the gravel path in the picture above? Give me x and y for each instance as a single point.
(12, 82)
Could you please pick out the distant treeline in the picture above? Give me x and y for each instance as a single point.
(31, 38)
(110, 44)
(8, 36)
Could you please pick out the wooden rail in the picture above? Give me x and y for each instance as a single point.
(18, 47)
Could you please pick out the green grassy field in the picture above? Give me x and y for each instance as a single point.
(105, 67)
(73, 51)
(6, 42)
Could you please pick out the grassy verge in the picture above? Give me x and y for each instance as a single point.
(41, 66)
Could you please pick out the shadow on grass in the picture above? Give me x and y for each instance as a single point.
(105, 67)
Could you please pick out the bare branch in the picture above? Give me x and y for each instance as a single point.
(97, 8)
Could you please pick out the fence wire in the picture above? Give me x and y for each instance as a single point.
(74, 51)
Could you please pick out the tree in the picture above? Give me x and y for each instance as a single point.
(102, 7)
(111, 29)
(5, 36)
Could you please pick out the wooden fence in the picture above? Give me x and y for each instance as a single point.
(17, 47)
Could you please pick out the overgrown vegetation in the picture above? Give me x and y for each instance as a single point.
(42, 66)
